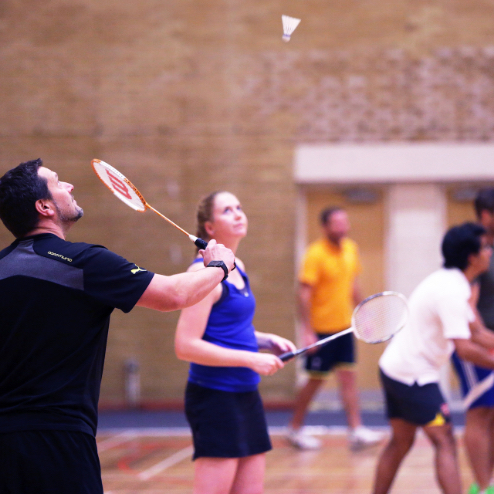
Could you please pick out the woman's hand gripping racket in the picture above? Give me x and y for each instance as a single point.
(374, 320)
(127, 192)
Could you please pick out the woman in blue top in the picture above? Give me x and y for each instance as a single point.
(222, 402)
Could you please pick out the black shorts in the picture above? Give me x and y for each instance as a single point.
(49, 462)
(226, 424)
(339, 351)
(420, 405)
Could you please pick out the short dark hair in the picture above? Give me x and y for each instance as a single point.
(460, 242)
(20, 188)
(484, 200)
(325, 215)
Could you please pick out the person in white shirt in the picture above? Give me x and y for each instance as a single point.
(441, 321)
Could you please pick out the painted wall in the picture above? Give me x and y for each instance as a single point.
(188, 97)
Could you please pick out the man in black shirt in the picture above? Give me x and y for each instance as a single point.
(55, 306)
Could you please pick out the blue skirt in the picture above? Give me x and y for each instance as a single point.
(226, 424)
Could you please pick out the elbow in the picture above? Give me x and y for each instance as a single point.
(462, 354)
(463, 349)
(180, 350)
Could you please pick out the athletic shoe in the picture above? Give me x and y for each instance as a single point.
(361, 437)
(474, 489)
(301, 440)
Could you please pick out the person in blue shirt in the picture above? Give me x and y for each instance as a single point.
(477, 383)
(222, 402)
(56, 303)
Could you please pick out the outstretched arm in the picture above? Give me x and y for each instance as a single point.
(167, 293)
(473, 352)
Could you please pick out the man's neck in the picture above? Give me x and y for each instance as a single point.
(336, 242)
(53, 229)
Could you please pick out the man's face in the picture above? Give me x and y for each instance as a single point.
(63, 200)
(487, 221)
(482, 259)
(337, 227)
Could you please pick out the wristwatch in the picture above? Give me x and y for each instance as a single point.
(219, 264)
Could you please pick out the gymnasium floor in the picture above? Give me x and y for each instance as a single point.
(150, 452)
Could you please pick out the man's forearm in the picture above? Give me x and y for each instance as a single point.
(167, 293)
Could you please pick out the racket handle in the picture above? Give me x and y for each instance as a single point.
(199, 242)
(202, 244)
(286, 356)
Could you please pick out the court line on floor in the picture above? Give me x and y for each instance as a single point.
(117, 440)
(166, 463)
(185, 431)
(147, 431)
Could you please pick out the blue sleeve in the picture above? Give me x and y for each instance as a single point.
(113, 280)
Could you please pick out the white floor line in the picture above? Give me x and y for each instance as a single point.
(167, 463)
(185, 431)
(149, 431)
(116, 440)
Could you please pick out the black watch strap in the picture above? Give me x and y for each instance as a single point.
(219, 264)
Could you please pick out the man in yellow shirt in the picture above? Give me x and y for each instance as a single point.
(328, 292)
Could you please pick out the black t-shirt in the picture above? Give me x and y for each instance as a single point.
(56, 298)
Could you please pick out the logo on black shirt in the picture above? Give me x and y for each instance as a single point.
(68, 259)
(137, 269)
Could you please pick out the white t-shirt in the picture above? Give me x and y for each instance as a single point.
(439, 312)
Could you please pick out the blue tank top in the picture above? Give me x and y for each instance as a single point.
(230, 326)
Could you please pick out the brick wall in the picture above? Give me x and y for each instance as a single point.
(188, 97)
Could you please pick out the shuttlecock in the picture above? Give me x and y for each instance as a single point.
(289, 25)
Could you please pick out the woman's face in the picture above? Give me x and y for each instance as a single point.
(229, 219)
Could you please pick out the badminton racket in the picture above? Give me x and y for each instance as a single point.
(374, 320)
(127, 192)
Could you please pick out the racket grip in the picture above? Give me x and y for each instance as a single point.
(286, 356)
(202, 244)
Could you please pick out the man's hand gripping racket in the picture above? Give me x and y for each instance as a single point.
(374, 320)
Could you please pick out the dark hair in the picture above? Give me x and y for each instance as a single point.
(459, 243)
(20, 188)
(484, 201)
(205, 213)
(325, 215)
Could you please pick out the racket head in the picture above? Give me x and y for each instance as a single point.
(380, 316)
(121, 186)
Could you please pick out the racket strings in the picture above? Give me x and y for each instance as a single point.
(121, 186)
(379, 318)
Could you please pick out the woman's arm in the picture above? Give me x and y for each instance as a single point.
(190, 346)
(274, 343)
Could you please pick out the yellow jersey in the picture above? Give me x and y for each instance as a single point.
(331, 271)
